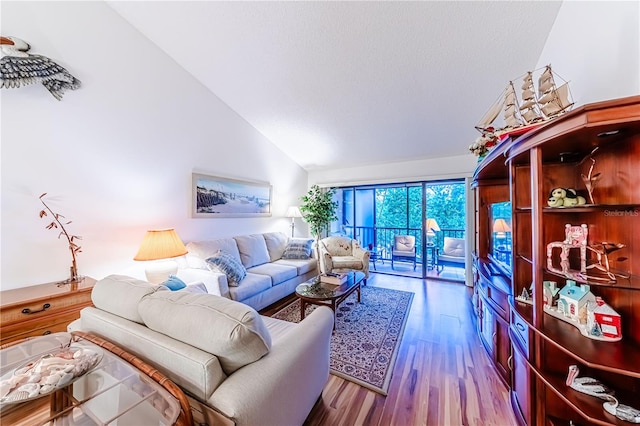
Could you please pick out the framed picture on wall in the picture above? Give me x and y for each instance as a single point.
(215, 196)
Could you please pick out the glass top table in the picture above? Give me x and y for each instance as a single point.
(113, 392)
(316, 292)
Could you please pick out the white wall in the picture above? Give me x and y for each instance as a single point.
(595, 45)
(116, 156)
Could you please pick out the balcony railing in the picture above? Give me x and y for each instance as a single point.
(381, 238)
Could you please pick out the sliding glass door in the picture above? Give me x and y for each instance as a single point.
(430, 213)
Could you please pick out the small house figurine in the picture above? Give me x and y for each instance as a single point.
(550, 293)
(608, 319)
(572, 299)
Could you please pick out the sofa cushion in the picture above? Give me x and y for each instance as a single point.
(276, 243)
(119, 295)
(228, 265)
(453, 246)
(207, 248)
(346, 262)
(251, 285)
(232, 331)
(302, 265)
(298, 248)
(277, 272)
(253, 250)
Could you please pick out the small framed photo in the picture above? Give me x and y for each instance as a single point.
(215, 196)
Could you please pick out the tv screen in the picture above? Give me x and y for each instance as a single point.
(501, 233)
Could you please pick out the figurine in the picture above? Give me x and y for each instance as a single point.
(587, 385)
(623, 412)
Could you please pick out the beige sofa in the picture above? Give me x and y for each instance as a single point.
(269, 276)
(236, 366)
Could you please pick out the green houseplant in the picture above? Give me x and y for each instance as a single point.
(319, 210)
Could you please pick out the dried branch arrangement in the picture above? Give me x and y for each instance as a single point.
(74, 248)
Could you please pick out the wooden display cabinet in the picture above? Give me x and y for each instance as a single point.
(553, 155)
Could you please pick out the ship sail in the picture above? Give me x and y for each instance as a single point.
(490, 116)
(553, 100)
(528, 109)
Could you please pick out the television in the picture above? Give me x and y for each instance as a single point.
(500, 240)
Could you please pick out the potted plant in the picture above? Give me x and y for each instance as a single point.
(319, 210)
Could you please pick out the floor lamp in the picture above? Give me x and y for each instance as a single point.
(293, 212)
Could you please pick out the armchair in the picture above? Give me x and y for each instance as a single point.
(404, 248)
(339, 254)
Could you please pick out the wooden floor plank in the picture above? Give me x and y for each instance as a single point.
(442, 374)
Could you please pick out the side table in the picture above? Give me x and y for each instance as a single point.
(42, 309)
(121, 389)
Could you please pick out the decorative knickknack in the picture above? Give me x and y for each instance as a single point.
(71, 239)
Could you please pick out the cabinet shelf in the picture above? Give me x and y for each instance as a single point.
(632, 283)
(617, 357)
(616, 209)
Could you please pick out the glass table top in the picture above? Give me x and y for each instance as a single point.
(316, 289)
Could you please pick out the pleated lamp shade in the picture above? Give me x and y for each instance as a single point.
(160, 244)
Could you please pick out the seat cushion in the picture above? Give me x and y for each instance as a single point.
(453, 247)
(252, 284)
(253, 250)
(120, 295)
(302, 265)
(276, 243)
(404, 242)
(232, 331)
(346, 262)
(277, 272)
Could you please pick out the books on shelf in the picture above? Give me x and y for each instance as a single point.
(333, 278)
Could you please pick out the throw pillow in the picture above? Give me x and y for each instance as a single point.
(298, 249)
(174, 283)
(230, 266)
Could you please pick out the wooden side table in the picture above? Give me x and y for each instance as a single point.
(42, 309)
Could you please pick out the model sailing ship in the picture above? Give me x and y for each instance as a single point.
(535, 108)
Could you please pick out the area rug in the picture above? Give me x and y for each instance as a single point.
(365, 343)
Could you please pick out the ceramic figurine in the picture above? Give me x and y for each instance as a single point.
(623, 412)
(587, 385)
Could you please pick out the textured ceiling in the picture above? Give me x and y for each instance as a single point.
(339, 84)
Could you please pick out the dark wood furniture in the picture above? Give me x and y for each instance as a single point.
(524, 171)
(316, 292)
(42, 309)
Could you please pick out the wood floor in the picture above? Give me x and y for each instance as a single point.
(442, 375)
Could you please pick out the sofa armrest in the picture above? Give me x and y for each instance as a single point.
(292, 375)
(364, 255)
(215, 282)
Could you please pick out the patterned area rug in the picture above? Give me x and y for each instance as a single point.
(367, 337)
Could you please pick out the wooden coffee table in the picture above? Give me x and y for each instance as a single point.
(316, 292)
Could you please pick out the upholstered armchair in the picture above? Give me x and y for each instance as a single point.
(338, 254)
(404, 248)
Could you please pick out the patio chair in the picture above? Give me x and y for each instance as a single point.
(404, 248)
(453, 254)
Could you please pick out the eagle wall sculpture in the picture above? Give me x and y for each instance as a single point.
(19, 68)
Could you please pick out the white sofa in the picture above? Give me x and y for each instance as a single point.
(236, 366)
(269, 276)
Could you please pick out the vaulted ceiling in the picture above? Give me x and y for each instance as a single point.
(340, 84)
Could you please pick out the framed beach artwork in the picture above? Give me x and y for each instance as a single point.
(215, 196)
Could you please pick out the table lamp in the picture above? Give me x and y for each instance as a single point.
(432, 226)
(293, 212)
(501, 227)
(160, 244)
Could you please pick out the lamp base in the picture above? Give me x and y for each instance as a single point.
(158, 272)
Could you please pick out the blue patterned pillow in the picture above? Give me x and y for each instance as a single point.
(230, 266)
(174, 283)
(298, 249)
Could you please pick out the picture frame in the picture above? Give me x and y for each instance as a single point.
(217, 196)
